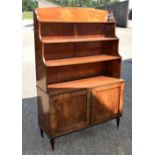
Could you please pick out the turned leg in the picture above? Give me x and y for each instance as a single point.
(118, 120)
(41, 133)
(52, 141)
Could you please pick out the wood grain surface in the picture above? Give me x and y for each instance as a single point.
(77, 69)
(62, 14)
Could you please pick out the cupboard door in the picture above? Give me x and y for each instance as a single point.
(69, 112)
(106, 102)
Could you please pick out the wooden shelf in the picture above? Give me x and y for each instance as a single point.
(82, 38)
(80, 60)
(85, 83)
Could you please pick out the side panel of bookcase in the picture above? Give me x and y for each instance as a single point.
(40, 67)
(43, 111)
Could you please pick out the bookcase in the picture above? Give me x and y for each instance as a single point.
(77, 69)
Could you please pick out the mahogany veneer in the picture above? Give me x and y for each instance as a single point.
(77, 69)
(71, 15)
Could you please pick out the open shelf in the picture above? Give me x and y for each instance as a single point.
(79, 60)
(81, 38)
(85, 83)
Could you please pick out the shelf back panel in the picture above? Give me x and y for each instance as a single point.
(96, 48)
(107, 29)
(75, 72)
(58, 51)
(70, 50)
(57, 29)
(71, 29)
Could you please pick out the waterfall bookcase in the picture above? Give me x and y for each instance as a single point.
(77, 69)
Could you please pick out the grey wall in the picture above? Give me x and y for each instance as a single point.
(120, 11)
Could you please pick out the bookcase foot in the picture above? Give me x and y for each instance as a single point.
(118, 121)
(41, 133)
(52, 141)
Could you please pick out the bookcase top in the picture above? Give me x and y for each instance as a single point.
(72, 15)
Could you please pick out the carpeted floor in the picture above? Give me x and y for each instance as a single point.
(103, 139)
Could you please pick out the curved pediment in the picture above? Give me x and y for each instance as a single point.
(70, 14)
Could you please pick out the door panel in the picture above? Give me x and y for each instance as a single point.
(72, 111)
(106, 102)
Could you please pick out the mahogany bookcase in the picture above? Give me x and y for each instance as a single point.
(77, 69)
